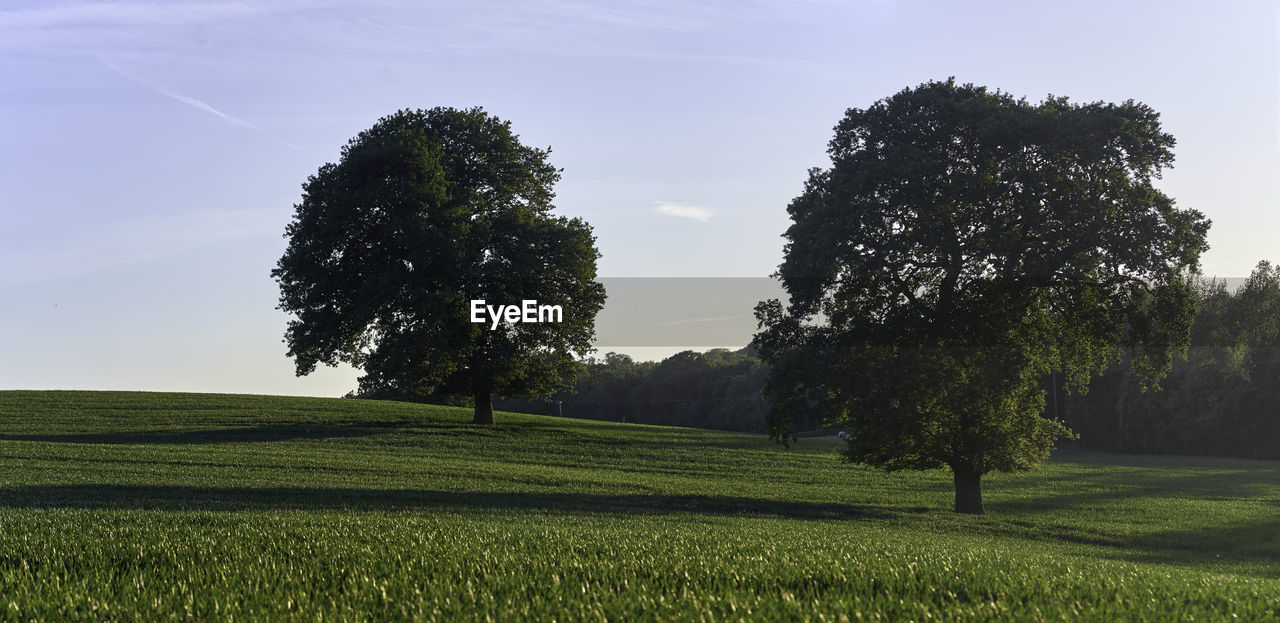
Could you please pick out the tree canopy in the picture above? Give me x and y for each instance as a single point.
(963, 245)
(424, 212)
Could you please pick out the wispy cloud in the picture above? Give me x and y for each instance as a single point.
(697, 213)
(194, 103)
(116, 14)
(190, 101)
(700, 320)
(90, 249)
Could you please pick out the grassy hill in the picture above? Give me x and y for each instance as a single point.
(122, 505)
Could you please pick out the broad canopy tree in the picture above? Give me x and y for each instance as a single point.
(963, 245)
(424, 212)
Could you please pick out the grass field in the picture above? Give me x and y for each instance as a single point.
(118, 506)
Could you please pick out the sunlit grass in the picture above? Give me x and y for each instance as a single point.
(136, 505)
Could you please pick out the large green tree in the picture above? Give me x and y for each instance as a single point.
(963, 245)
(424, 212)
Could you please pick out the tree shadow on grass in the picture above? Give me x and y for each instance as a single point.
(298, 498)
(1085, 505)
(1106, 484)
(1244, 548)
(1254, 543)
(244, 434)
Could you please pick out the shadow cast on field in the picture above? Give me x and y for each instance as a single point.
(1254, 542)
(297, 498)
(1247, 546)
(1104, 486)
(244, 434)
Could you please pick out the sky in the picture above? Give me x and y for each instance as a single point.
(151, 153)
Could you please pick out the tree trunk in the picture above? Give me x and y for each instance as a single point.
(484, 408)
(968, 489)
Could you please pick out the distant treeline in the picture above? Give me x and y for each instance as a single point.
(1223, 400)
(718, 389)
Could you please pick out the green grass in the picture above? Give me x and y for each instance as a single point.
(120, 506)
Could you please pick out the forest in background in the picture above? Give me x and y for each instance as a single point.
(719, 389)
(1223, 399)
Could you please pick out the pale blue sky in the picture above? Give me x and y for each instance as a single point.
(151, 153)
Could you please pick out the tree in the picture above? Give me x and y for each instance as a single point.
(424, 212)
(963, 245)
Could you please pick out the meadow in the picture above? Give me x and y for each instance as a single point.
(132, 505)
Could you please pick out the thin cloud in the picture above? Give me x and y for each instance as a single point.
(118, 14)
(697, 213)
(194, 103)
(700, 320)
(190, 101)
(91, 249)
